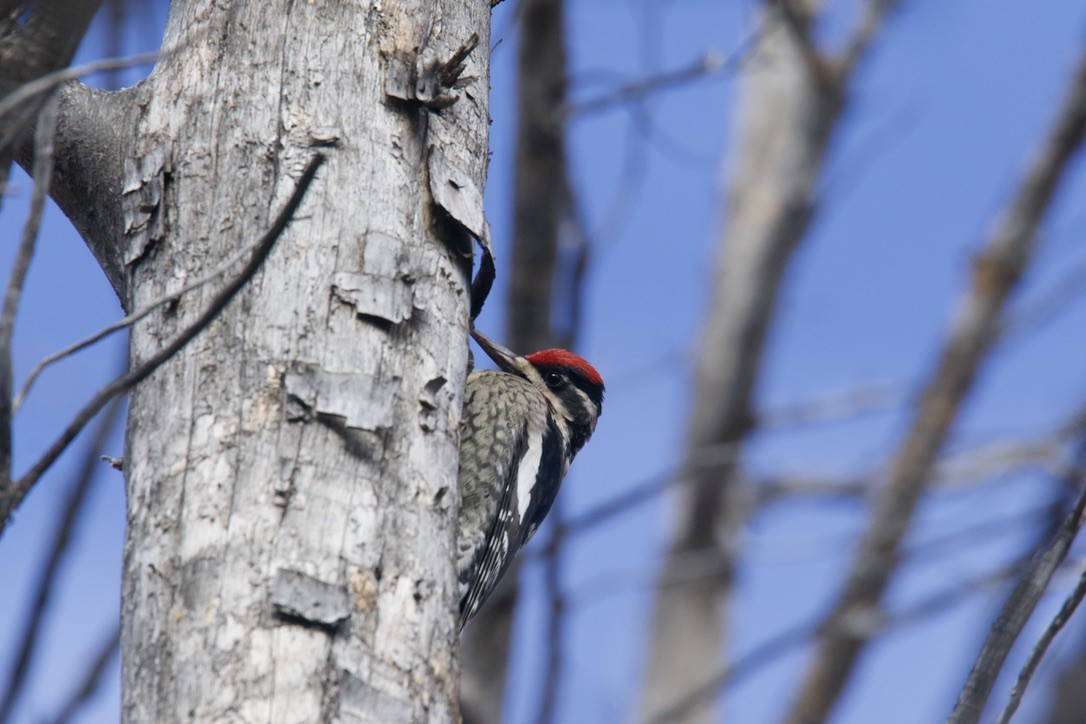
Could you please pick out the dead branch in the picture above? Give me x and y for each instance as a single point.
(14, 494)
(62, 538)
(707, 65)
(1019, 606)
(996, 271)
(42, 173)
(36, 38)
(1054, 627)
(799, 635)
(93, 677)
(165, 299)
(39, 87)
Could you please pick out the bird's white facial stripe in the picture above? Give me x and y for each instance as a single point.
(589, 405)
(526, 473)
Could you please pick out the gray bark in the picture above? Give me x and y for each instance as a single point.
(291, 473)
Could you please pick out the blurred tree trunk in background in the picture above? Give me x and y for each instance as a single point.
(541, 197)
(785, 117)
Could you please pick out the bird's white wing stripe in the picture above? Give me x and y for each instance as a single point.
(527, 471)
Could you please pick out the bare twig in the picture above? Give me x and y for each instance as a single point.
(1069, 605)
(136, 316)
(43, 173)
(556, 617)
(46, 83)
(1019, 606)
(47, 583)
(1048, 304)
(997, 269)
(93, 677)
(710, 455)
(874, 15)
(799, 635)
(36, 37)
(10, 498)
(707, 65)
(834, 406)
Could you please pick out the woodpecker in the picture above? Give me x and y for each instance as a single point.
(522, 425)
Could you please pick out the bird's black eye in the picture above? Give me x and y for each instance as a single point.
(554, 380)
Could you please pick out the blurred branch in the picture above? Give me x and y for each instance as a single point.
(556, 617)
(11, 496)
(46, 83)
(977, 462)
(996, 271)
(42, 172)
(871, 21)
(1019, 606)
(62, 538)
(796, 18)
(787, 118)
(131, 319)
(1048, 304)
(799, 635)
(36, 38)
(707, 65)
(92, 679)
(833, 406)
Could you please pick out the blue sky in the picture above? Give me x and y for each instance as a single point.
(943, 119)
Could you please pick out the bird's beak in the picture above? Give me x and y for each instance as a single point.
(502, 357)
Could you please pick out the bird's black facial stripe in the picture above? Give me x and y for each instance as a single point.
(594, 392)
(574, 377)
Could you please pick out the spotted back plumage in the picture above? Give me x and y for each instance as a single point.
(520, 430)
(502, 414)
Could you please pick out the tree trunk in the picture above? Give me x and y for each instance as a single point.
(291, 473)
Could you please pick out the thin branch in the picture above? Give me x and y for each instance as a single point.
(92, 679)
(1018, 607)
(11, 498)
(62, 538)
(1048, 304)
(168, 298)
(49, 81)
(552, 556)
(46, 83)
(708, 456)
(43, 173)
(872, 20)
(798, 635)
(834, 406)
(556, 618)
(996, 272)
(707, 65)
(1066, 610)
(36, 37)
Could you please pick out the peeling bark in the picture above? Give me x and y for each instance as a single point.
(288, 552)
